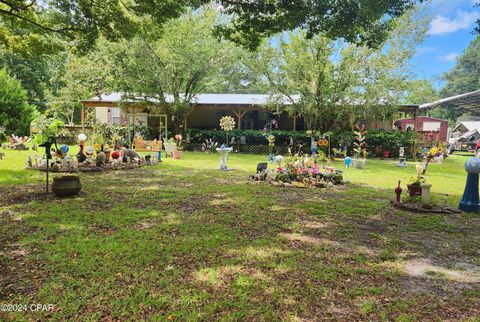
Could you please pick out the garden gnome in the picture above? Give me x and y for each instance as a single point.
(470, 199)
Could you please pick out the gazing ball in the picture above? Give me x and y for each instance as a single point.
(348, 162)
(279, 159)
(82, 137)
(64, 148)
(472, 165)
(90, 150)
(115, 155)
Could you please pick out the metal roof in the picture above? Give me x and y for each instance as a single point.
(469, 126)
(204, 99)
(468, 102)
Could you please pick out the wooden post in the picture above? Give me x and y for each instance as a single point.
(415, 121)
(82, 118)
(133, 122)
(239, 114)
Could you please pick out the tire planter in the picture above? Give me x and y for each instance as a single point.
(414, 190)
(177, 154)
(66, 186)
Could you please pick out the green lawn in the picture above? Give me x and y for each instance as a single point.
(184, 241)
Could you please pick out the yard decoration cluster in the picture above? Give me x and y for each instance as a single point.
(98, 157)
(300, 172)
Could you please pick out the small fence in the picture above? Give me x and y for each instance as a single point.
(284, 150)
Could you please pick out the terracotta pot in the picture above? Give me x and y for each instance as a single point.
(414, 190)
(66, 186)
(386, 154)
(107, 155)
(177, 154)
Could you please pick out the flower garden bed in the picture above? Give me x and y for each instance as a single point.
(300, 172)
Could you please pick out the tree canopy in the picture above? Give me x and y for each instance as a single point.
(464, 77)
(15, 112)
(358, 21)
(337, 83)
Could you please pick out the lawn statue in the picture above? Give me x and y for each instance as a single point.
(470, 199)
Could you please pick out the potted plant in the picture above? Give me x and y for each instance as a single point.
(386, 154)
(415, 186)
(360, 146)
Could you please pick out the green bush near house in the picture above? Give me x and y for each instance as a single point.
(377, 140)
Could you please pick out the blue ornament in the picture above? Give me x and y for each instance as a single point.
(64, 149)
(271, 157)
(348, 162)
(472, 165)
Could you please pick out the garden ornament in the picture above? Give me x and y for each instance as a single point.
(470, 199)
(279, 159)
(224, 151)
(398, 192)
(348, 162)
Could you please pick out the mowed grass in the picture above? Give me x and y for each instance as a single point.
(184, 241)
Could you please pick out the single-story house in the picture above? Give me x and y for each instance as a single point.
(251, 111)
(425, 126)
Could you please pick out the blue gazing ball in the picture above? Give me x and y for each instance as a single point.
(472, 165)
(64, 149)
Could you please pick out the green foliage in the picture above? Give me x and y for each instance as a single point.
(80, 21)
(15, 112)
(185, 61)
(465, 75)
(363, 22)
(420, 92)
(326, 74)
(46, 129)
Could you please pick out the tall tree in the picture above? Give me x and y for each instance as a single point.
(336, 82)
(168, 73)
(366, 22)
(420, 92)
(359, 21)
(15, 112)
(79, 78)
(82, 21)
(465, 75)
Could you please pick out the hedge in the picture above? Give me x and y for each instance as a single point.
(376, 139)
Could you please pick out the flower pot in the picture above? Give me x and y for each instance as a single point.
(177, 154)
(66, 186)
(414, 190)
(386, 154)
(359, 163)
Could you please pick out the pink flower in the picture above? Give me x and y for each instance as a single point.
(279, 169)
(315, 169)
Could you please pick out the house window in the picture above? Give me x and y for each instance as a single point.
(431, 126)
(116, 116)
